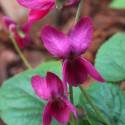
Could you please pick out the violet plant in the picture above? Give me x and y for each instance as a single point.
(40, 8)
(32, 89)
(69, 48)
(21, 34)
(51, 88)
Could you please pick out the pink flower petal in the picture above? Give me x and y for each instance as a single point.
(60, 111)
(81, 35)
(46, 117)
(71, 107)
(75, 72)
(21, 35)
(26, 31)
(38, 8)
(91, 70)
(19, 40)
(8, 21)
(55, 42)
(37, 4)
(26, 27)
(40, 87)
(22, 40)
(36, 15)
(54, 85)
(71, 2)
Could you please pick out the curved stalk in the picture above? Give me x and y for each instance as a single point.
(78, 11)
(27, 64)
(70, 87)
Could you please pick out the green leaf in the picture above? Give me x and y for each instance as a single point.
(109, 99)
(51, 66)
(117, 4)
(110, 59)
(18, 103)
(83, 122)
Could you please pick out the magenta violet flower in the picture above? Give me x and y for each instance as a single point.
(40, 8)
(20, 33)
(69, 47)
(50, 88)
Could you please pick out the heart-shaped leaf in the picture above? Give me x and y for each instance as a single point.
(110, 59)
(18, 103)
(109, 99)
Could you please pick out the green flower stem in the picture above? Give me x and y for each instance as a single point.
(71, 94)
(59, 4)
(78, 11)
(27, 64)
(73, 120)
(97, 111)
(89, 120)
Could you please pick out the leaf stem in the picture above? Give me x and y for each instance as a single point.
(70, 87)
(27, 64)
(97, 111)
(73, 120)
(78, 11)
(71, 94)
